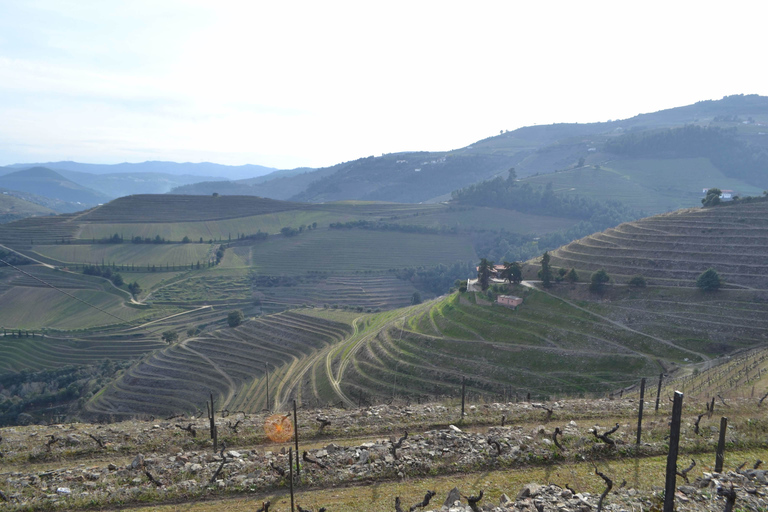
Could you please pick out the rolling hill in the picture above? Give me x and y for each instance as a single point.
(14, 208)
(543, 152)
(45, 182)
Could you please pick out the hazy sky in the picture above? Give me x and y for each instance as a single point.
(288, 84)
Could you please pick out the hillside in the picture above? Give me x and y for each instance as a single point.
(45, 182)
(674, 248)
(543, 152)
(14, 208)
(562, 340)
(203, 169)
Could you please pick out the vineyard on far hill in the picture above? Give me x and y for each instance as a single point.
(674, 249)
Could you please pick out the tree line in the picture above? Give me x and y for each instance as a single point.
(438, 279)
(390, 226)
(12, 258)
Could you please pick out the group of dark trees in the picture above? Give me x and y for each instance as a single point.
(36, 395)
(389, 226)
(105, 272)
(12, 258)
(289, 231)
(512, 272)
(436, 280)
(509, 194)
(732, 156)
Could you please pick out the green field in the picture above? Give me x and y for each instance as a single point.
(127, 253)
(653, 186)
(348, 251)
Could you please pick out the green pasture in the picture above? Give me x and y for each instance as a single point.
(128, 253)
(650, 185)
(348, 251)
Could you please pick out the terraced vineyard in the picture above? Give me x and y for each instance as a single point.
(674, 248)
(356, 345)
(362, 291)
(26, 302)
(349, 251)
(127, 254)
(230, 362)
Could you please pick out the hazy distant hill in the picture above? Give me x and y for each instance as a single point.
(541, 152)
(14, 208)
(57, 205)
(534, 150)
(203, 169)
(48, 183)
(129, 183)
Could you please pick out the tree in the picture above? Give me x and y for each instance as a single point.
(572, 276)
(235, 318)
(416, 298)
(637, 281)
(599, 279)
(512, 175)
(134, 288)
(512, 272)
(545, 274)
(484, 273)
(709, 280)
(185, 240)
(117, 279)
(712, 198)
(170, 336)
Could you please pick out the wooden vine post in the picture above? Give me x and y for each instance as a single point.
(266, 370)
(640, 411)
(463, 393)
(658, 391)
(674, 443)
(296, 438)
(290, 474)
(212, 420)
(720, 455)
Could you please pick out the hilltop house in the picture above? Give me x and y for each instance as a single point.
(509, 301)
(725, 195)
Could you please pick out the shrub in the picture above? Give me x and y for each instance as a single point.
(709, 280)
(637, 281)
(599, 279)
(235, 318)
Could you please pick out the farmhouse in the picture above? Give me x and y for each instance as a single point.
(509, 301)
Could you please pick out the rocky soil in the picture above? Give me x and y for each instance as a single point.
(74, 465)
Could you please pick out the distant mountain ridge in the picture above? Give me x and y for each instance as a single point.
(532, 150)
(432, 176)
(48, 183)
(203, 169)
